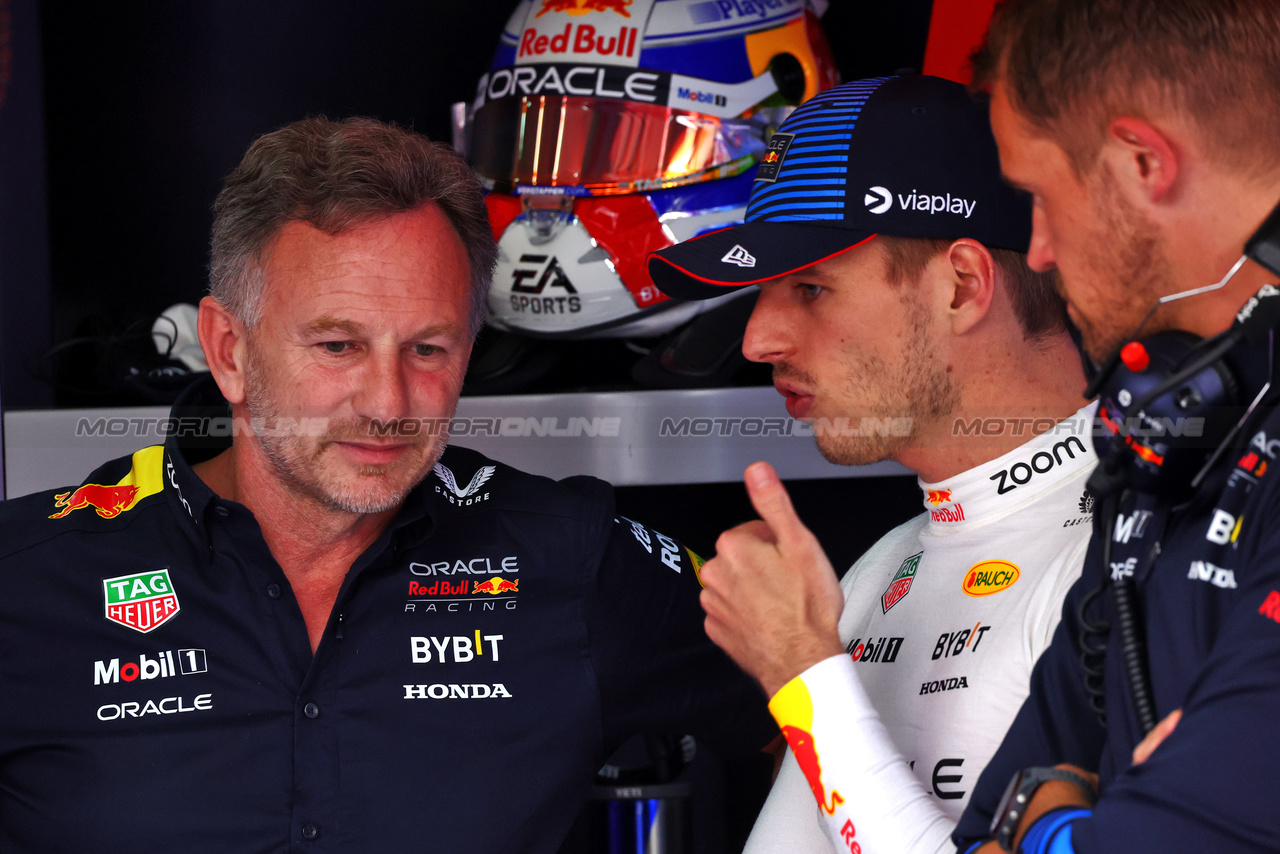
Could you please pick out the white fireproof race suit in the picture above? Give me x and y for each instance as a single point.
(944, 618)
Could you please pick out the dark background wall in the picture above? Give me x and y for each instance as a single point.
(148, 104)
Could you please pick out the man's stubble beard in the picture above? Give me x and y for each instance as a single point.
(925, 392)
(298, 460)
(1135, 273)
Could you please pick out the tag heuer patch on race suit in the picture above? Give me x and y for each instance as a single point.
(142, 601)
(901, 583)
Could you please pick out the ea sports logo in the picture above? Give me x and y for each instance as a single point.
(878, 200)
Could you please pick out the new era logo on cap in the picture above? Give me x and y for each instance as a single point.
(878, 200)
(738, 255)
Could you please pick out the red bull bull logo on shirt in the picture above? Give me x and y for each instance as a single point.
(108, 501)
(496, 585)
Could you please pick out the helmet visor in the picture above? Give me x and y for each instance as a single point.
(606, 145)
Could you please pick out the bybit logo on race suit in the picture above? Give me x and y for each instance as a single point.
(143, 601)
(606, 32)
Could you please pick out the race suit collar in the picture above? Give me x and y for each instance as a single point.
(997, 487)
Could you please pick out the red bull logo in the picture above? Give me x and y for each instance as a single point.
(496, 585)
(806, 754)
(938, 496)
(585, 7)
(771, 157)
(108, 501)
(145, 478)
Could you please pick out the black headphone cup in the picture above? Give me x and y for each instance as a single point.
(1163, 422)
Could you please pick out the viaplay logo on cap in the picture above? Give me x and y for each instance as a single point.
(880, 199)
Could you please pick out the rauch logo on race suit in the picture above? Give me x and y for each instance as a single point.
(990, 576)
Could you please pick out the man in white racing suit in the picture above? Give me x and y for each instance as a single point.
(902, 323)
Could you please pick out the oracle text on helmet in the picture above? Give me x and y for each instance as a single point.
(587, 81)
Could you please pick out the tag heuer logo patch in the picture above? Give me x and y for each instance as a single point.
(142, 602)
(901, 584)
(773, 157)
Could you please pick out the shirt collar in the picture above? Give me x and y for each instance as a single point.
(997, 487)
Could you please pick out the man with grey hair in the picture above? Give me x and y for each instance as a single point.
(331, 632)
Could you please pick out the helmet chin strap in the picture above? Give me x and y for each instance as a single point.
(1109, 366)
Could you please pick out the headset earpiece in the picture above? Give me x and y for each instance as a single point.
(1165, 407)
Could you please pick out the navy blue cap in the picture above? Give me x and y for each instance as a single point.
(909, 156)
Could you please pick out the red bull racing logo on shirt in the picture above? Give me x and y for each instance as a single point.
(938, 496)
(143, 601)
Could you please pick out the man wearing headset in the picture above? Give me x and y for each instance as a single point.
(1148, 132)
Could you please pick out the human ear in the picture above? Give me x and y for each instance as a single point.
(222, 337)
(972, 272)
(1142, 157)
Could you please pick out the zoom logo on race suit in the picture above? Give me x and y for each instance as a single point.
(1042, 462)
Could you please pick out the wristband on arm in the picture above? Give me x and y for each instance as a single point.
(1018, 795)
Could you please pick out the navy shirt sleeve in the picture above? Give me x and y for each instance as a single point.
(1211, 785)
(657, 670)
